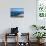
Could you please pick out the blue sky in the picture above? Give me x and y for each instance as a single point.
(17, 9)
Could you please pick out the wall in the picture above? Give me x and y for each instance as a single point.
(24, 24)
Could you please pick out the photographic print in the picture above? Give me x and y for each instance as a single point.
(17, 12)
